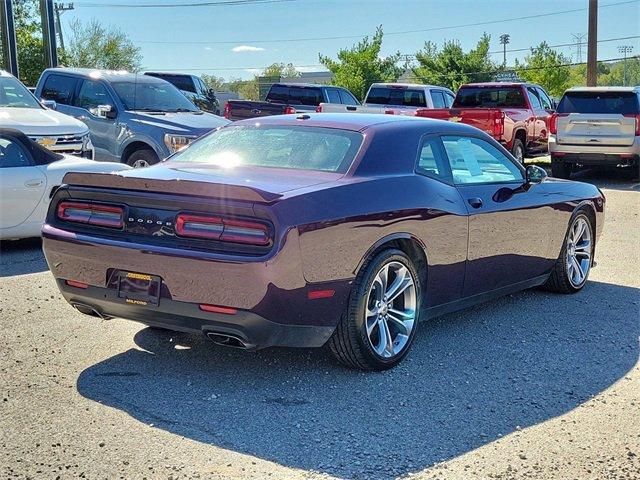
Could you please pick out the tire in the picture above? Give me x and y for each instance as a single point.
(142, 158)
(560, 169)
(351, 343)
(563, 278)
(518, 150)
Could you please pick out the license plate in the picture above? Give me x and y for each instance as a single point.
(139, 288)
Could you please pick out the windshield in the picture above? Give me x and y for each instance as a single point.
(396, 96)
(489, 97)
(152, 97)
(15, 94)
(624, 103)
(303, 148)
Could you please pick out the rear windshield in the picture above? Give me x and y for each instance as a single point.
(489, 97)
(624, 103)
(182, 82)
(295, 95)
(303, 148)
(406, 97)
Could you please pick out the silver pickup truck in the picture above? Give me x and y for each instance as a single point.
(396, 99)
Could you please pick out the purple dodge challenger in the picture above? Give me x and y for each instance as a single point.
(317, 229)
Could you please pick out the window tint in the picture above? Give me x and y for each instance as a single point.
(152, 96)
(12, 154)
(14, 94)
(544, 98)
(449, 99)
(278, 94)
(533, 98)
(92, 94)
(333, 95)
(431, 163)
(396, 96)
(476, 161)
(59, 88)
(304, 148)
(489, 97)
(182, 82)
(347, 98)
(438, 99)
(305, 96)
(625, 103)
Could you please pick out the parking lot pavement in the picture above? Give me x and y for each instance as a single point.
(534, 385)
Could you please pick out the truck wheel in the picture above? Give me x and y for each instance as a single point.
(379, 324)
(560, 169)
(142, 158)
(517, 150)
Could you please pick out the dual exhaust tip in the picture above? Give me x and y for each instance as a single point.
(219, 338)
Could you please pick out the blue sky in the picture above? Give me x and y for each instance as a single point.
(235, 40)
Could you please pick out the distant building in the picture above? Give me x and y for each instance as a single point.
(320, 78)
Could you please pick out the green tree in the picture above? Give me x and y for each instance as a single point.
(450, 66)
(31, 60)
(212, 81)
(615, 74)
(546, 67)
(361, 65)
(281, 70)
(94, 46)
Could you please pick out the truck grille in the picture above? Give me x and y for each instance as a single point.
(69, 144)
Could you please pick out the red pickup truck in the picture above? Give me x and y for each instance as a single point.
(515, 114)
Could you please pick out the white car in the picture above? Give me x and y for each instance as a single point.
(29, 174)
(56, 131)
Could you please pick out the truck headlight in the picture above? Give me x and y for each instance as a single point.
(177, 142)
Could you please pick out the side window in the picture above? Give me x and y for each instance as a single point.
(13, 154)
(544, 98)
(449, 98)
(347, 98)
(333, 95)
(438, 99)
(533, 97)
(475, 161)
(59, 88)
(92, 94)
(279, 94)
(431, 163)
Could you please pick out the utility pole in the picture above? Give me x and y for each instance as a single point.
(592, 45)
(59, 9)
(8, 37)
(579, 38)
(48, 33)
(504, 39)
(624, 49)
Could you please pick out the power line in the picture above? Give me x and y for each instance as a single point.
(405, 32)
(216, 3)
(579, 39)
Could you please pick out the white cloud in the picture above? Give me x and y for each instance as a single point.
(207, 48)
(309, 69)
(254, 71)
(247, 48)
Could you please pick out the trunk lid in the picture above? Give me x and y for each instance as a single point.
(596, 129)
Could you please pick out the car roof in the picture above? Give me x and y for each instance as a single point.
(357, 122)
(303, 85)
(604, 89)
(108, 75)
(407, 85)
(497, 84)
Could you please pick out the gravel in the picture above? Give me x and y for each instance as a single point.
(533, 385)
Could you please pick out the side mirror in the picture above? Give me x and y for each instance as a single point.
(103, 111)
(50, 104)
(535, 174)
(211, 93)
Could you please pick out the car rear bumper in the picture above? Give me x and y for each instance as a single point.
(595, 154)
(269, 296)
(603, 159)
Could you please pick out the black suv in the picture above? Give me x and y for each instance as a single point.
(194, 88)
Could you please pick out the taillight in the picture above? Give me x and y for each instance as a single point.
(92, 214)
(389, 112)
(498, 124)
(637, 117)
(223, 229)
(553, 122)
(289, 110)
(227, 110)
(319, 109)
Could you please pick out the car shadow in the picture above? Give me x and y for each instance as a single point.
(610, 178)
(471, 378)
(19, 257)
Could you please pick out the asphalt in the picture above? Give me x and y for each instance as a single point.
(534, 385)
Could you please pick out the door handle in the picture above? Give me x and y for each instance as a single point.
(351, 109)
(33, 183)
(475, 202)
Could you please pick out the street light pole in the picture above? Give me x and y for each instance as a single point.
(504, 39)
(624, 49)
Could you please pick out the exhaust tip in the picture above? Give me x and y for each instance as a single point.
(227, 340)
(88, 310)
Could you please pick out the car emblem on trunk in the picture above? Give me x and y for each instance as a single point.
(256, 111)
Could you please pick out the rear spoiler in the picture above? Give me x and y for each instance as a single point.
(175, 186)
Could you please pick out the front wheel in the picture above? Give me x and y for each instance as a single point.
(571, 270)
(379, 324)
(142, 158)
(517, 150)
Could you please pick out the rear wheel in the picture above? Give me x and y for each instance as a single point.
(142, 158)
(571, 270)
(560, 169)
(517, 150)
(379, 325)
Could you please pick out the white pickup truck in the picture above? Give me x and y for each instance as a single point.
(396, 99)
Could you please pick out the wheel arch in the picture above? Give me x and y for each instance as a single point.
(135, 145)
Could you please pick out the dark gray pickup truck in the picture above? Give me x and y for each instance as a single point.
(287, 98)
